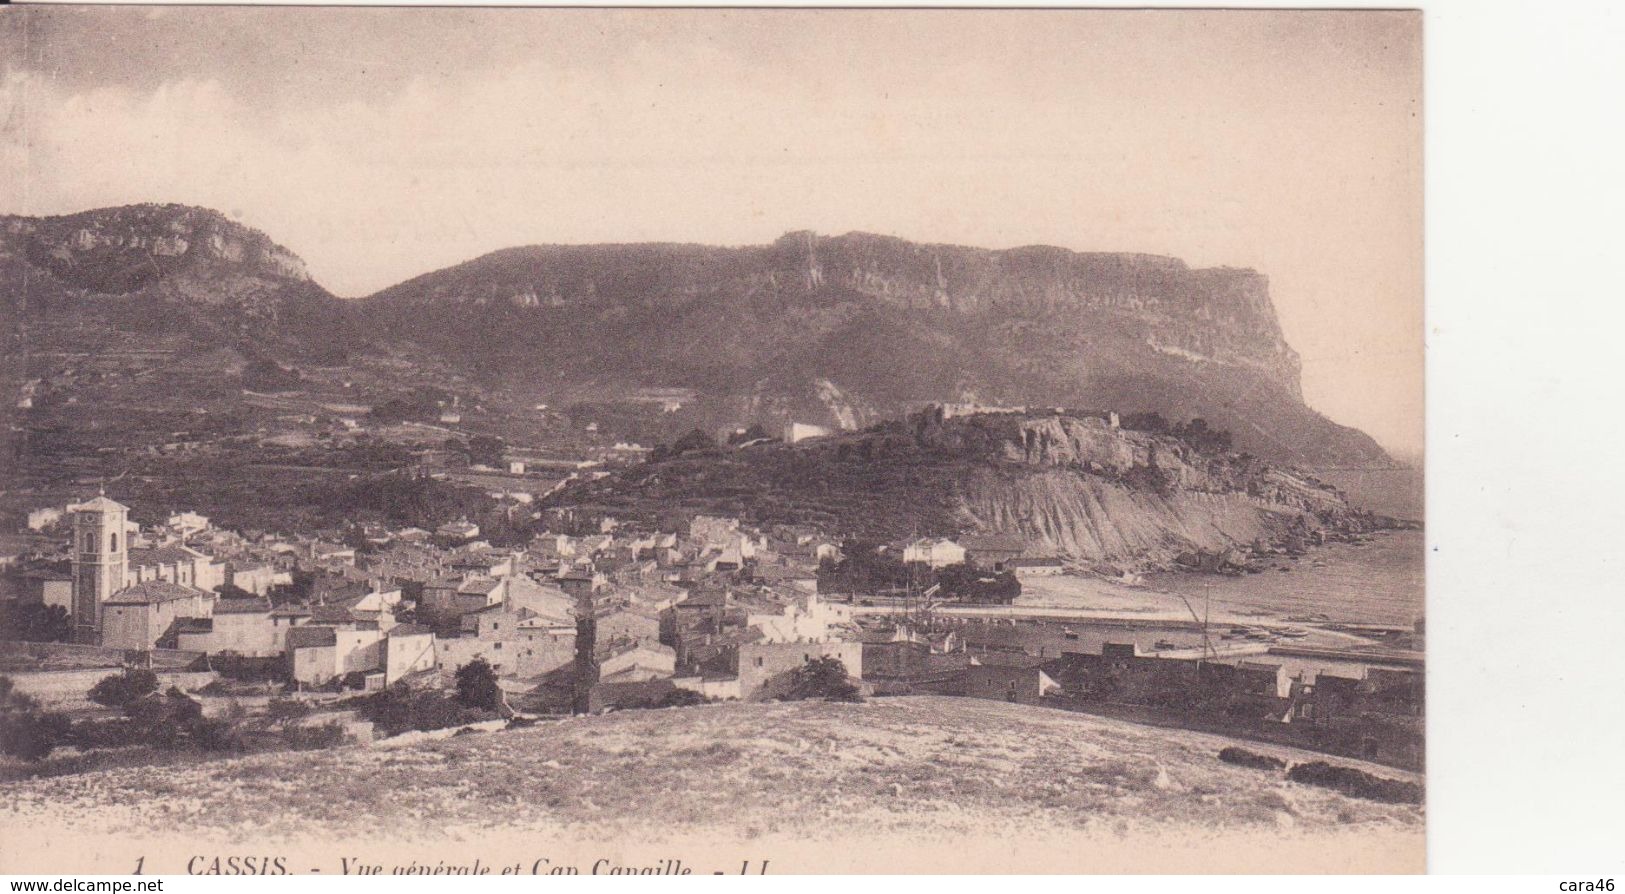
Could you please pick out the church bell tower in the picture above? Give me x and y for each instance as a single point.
(100, 563)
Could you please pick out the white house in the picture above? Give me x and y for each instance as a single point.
(795, 432)
(246, 627)
(805, 619)
(644, 661)
(934, 552)
(408, 649)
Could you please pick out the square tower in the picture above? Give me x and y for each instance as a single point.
(100, 563)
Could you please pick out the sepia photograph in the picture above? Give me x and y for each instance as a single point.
(522, 441)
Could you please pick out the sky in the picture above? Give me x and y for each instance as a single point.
(380, 144)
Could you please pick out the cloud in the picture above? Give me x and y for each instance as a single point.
(1301, 162)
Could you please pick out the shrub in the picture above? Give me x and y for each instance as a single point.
(163, 721)
(1241, 757)
(120, 733)
(29, 733)
(284, 711)
(398, 709)
(215, 735)
(1356, 783)
(822, 678)
(316, 736)
(681, 698)
(122, 689)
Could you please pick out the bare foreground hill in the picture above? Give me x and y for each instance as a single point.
(744, 781)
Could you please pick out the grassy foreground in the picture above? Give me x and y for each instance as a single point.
(920, 765)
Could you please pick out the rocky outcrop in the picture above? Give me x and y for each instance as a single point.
(1093, 520)
(1071, 486)
(116, 251)
(170, 268)
(1094, 493)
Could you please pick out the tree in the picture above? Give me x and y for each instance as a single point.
(967, 583)
(1207, 440)
(477, 685)
(232, 591)
(398, 709)
(123, 689)
(35, 623)
(423, 405)
(865, 568)
(824, 678)
(1151, 422)
(694, 440)
(486, 450)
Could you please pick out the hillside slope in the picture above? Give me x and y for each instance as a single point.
(164, 270)
(1066, 485)
(927, 769)
(848, 330)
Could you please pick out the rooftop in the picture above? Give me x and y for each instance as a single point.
(99, 504)
(483, 586)
(306, 637)
(1011, 659)
(705, 599)
(256, 606)
(1044, 562)
(152, 592)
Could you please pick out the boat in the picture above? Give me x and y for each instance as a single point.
(1069, 633)
(1294, 632)
(1165, 644)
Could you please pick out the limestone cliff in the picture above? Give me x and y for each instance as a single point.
(168, 268)
(769, 332)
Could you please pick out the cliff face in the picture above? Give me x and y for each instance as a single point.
(1219, 315)
(169, 267)
(847, 330)
(1093, 493)
(1072, 486)
(116, 251)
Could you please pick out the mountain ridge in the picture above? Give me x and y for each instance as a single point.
(843, 331)
(770, 332)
